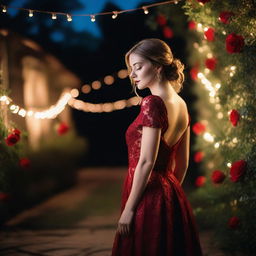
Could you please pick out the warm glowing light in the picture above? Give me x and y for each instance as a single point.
(196, 45)
(217, 145)
(200, 75)
(93, 18)
(114, 16)
(31, 14)
(220, 115)
(96, 85)
(103, 107)
(212, 93)
(3, 98)
(224, 32)
(199, 27)
(54, 16)
(120, 104)
(22, 112)
(109, 80)
(217, 86)
(69, 18)
(229, 165)
(123, 73)
(4, 9)
(30, 113)
(74, 93)
(86, 88)
(145, 10)
(209, 55)
(208, 137)
(212, 100)
(235, 140)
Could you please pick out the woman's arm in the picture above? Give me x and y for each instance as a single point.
(149, 149)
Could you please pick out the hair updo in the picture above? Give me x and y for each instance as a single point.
(159, 54)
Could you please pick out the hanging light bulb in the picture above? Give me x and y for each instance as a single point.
(114, 16)
(31, 14)
(69, 18)
(93, 18)
(145, 9)
(54, 16)
(4, 9)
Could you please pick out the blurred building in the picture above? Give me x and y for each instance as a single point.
(35, 81)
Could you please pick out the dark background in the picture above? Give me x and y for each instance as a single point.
(92, 58)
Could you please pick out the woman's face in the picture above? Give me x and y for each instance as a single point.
(143, 73)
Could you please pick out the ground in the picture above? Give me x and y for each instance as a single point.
(80, 221)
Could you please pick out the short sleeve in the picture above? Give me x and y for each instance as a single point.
(152, 112)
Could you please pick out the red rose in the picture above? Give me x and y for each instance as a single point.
(234, 117)
(4, 196)
(198, 156)
(192, 25)
(193, 73)
(24, 163)
(209, 34)
(210, 63)
(62, 129)
(161, 20)
(198, 128)
(224, 17)
(203, 1)
(233, 222)
(200, 181)
(237, 170)
(217, 176)
(16, 132)
(12, 139)
(234, 43)
(167, 31)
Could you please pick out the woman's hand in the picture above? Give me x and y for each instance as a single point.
(124, 224)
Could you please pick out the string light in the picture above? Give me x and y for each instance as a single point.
(109, 80)
(49, 113)
(217, 145)
(31, 14)
(208, 137)
(114, 16)
(96, 85)
(93, 18)
(74, 93)
(229, 165)
(103, 107)
(54, 16)
(145, 9)
(69, 18)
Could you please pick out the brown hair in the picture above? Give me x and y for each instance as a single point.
(159, 53)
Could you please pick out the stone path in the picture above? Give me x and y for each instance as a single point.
(78, 222)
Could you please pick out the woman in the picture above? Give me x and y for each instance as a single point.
(156, 218)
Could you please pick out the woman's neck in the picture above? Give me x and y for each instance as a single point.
(163, 89)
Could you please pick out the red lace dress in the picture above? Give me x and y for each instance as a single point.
(163, 223)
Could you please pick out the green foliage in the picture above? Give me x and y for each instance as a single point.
(215, 204)
(237, 91)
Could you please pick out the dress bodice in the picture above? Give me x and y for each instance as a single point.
(153, 113)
